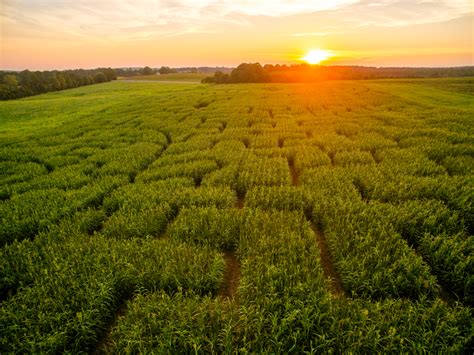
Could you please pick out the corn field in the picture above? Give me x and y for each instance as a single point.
(304, 218)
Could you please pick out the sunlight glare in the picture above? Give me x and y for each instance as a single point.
(317, 56)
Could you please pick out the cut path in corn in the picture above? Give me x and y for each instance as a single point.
(106, 340)
(326, 262)
(240, 202)
(295, 178)
(230, 283)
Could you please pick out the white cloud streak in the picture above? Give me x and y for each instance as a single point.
(124, 20)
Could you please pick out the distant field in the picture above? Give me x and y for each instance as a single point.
(194, 77)
(267, 218)
(459, 85)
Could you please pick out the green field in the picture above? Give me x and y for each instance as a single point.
(275, 218)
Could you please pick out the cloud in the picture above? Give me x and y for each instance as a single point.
(318, 33)
(399, 13)
(278, 8)
(145, 19)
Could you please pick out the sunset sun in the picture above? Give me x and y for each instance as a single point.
(317, 56)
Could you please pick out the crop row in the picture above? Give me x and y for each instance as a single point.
(367, 237)
(63, 287)
(283, 302)
(25, 215)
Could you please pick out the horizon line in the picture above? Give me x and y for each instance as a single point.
(233, 67)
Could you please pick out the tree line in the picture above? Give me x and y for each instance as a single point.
(127, 72)
(14, 85)
(256, 73)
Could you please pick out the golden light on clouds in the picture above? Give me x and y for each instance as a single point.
(59, 34)
(317, 56)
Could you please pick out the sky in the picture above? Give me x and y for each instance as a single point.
(63, 34)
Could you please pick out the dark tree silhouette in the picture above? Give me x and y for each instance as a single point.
(255, 73)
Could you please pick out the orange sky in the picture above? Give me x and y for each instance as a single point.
(59, 34)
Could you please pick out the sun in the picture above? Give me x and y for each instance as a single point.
(316, 56)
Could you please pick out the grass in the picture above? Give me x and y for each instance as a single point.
(120, 203)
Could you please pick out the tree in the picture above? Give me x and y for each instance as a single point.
(148, 71)
(110, 73)
(9, 87)
(27, 83)
(221, 78)
(11, 81)
(100, 77)
(166, 70)
(249, 73)
(208, 80)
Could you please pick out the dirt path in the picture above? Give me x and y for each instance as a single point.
(326, 261)
(295, 178)
(230, 283)
(446, 296)
(106, 339)
(240, 202)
